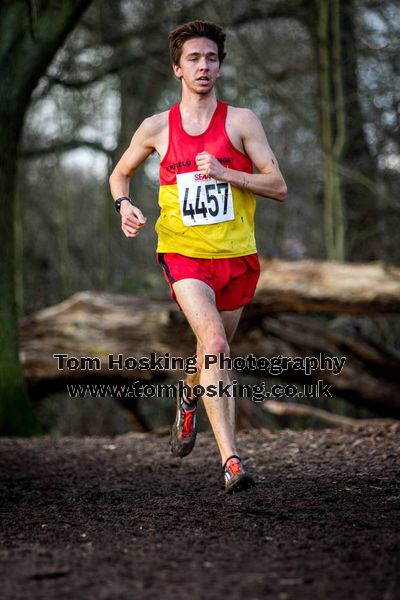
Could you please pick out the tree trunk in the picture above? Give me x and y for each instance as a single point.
(28, 42)
(332, 126)
(16, 411)
(350, 184)
(363, 210)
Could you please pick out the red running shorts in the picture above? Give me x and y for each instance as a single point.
(233, 280)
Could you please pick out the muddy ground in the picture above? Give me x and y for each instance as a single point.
(119, 518)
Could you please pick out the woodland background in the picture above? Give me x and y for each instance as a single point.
(322, 76)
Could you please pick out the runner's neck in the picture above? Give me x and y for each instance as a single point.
(197, 112)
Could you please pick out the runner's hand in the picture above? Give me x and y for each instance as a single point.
(207, 164)
(132, 219)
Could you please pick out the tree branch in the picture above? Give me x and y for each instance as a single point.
(152, 59)
(283, 98)
(267, 10)
(302, 410)
(367, 182)
(60, 146)
(32, 55)
(147, 26)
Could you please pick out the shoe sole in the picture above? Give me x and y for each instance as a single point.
(240, 483)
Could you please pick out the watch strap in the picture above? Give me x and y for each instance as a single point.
(118, 202)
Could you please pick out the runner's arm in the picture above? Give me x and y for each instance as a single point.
(269, 181)
(139, 150)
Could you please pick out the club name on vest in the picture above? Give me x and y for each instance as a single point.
(186, 163)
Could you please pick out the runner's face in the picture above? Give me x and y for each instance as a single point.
(199, 65)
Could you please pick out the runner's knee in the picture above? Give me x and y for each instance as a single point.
(216, 344)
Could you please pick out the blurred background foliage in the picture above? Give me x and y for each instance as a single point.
(114, 71)
(326, 91)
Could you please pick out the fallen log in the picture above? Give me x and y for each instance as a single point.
(370, 375)
(100, 325)
(306, 286)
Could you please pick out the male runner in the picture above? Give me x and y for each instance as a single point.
(206, 243)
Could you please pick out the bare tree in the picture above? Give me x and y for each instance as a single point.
(30, 34)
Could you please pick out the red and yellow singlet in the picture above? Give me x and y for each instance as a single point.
(202, 217)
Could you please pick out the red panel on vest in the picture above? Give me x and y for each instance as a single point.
(183, 148)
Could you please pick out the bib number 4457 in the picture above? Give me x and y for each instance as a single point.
(204, 202)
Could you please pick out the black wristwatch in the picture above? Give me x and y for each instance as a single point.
(118, 202)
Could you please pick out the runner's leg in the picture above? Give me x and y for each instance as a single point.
(197, 301)
(230, 320)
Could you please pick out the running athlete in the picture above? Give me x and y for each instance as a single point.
(206, 243)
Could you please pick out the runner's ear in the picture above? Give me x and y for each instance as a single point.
(177, 71)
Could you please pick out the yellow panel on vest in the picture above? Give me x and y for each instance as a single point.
(219, 240)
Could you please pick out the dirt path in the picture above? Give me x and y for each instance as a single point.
(118, 518)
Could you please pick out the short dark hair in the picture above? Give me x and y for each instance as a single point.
(194, 29)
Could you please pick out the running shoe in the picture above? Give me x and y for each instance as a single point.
(236, 478)
(184, 430)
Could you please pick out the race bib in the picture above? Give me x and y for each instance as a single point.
(204, 200)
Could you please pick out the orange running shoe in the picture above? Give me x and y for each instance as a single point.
(236, 478)
(184, 430)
